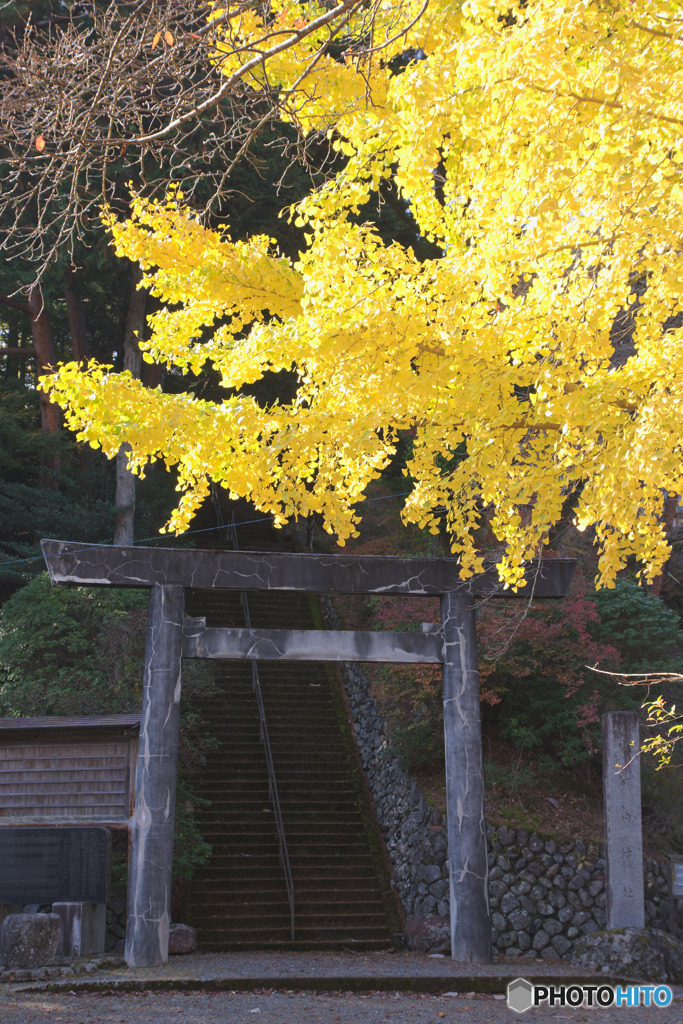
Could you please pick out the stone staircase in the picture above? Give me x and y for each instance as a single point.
(342, 894)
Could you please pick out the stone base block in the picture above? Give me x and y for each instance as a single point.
(83, 928)
(429, 935)
(182, 938)
(29, 940)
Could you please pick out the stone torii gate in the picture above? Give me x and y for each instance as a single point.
(170, 637)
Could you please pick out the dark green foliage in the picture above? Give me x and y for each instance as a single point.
(265, 184)
(71, 651)
(537, 717)
(537, 687)
(80, 651)
(662, 793)
(411, 698)
(82, 509)
(28, 514)
(420, 742)
(539, 691)
(190, 849)
(506, 779)
(641, 626)
(14, 15)
(20, 435)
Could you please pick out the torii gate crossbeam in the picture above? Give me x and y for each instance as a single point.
(170, 637)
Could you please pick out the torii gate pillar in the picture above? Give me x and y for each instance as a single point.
(467, 854)
(149, 884)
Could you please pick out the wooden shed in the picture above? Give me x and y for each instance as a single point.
(68, 771)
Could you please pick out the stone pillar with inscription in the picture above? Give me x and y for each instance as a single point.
(623, 827)
(470, 916)
(149, 882)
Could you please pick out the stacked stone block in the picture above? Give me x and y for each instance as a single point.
(543, 894)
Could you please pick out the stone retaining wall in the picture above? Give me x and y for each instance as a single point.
(544, 894)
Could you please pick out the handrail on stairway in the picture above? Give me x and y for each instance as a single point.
(228, 532)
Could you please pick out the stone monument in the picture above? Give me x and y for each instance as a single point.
(623, 825)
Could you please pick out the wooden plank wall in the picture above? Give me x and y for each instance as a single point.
(75, 779)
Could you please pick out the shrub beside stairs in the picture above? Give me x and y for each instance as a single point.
(238, 900)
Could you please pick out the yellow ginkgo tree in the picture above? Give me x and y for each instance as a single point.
(539, 148)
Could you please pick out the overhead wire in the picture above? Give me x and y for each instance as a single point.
(188, 533)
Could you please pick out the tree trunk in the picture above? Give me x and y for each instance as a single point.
(43, 343)
(668, 516)
(153, 375)
(124, 529)
(80, 342)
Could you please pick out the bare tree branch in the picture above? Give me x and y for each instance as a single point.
(117, 92)
(640, 678)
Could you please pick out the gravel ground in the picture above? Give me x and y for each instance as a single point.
(268, 1007)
